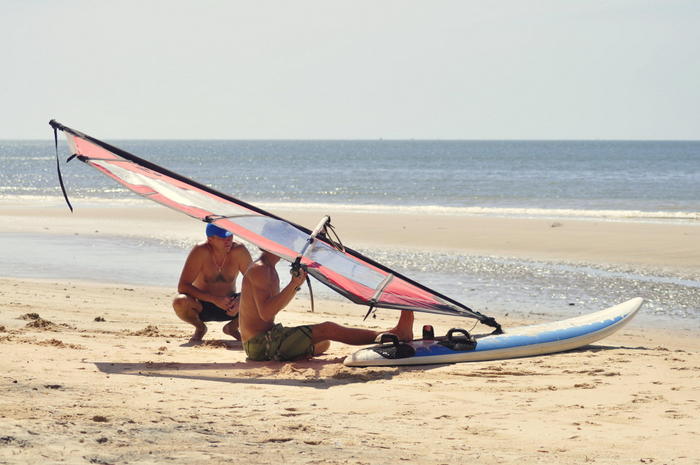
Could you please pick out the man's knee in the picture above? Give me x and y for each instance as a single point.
(183, 304)
(321, 347)
(324, 331)
(233, 324)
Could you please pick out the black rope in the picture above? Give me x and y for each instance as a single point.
(337, 243)
(371, 308)
(311, 292)
(58, 168)
(295, 269)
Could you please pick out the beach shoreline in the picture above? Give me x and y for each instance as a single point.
(670, 246)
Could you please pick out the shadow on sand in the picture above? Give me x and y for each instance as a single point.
(229, 344)
(316, 373)
(602, 348)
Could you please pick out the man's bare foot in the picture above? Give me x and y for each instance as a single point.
(404, 329)
(198, 334)
(231, 330)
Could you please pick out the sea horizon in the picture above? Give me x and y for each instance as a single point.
(462, 177)
(113, 140)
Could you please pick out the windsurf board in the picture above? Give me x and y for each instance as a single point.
(523, 341)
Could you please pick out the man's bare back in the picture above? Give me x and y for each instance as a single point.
(207, 284)
(262, 299)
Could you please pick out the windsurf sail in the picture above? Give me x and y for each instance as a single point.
(348, 272)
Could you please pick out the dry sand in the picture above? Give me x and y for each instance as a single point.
(126, 390)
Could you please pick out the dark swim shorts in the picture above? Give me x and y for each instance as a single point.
(211, 312)
(281, 344)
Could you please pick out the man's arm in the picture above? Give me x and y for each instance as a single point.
(268, 303)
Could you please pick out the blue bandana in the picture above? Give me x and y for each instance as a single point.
(214, 230)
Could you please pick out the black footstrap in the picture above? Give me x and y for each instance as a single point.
(392, 348)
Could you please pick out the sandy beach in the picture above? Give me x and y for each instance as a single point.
(98, 373)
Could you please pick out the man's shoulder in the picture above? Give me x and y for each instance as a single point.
(199, 249)
(259, 270)
(239, 254)
(200, 246)
(257, 267)
(239, 248)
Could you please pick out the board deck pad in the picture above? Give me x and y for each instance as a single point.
(523, 341)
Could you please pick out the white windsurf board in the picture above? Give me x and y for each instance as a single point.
(523, 341)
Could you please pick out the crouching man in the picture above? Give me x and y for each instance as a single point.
(207, 283)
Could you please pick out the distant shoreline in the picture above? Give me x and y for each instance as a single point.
(666, 245)
(534, 213)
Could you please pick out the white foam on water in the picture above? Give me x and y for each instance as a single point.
(613, 215)
(634, 216)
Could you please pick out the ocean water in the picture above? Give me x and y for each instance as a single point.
(570, 178)
(619, 181)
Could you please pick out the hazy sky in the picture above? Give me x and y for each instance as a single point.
(326, 69)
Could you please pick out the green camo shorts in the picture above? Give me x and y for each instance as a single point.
(281, 344)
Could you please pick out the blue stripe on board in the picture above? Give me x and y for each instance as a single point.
(507, 341)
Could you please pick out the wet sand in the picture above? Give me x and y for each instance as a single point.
(668, 246)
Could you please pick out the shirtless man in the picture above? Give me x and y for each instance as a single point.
(262, 299)
(207, 283)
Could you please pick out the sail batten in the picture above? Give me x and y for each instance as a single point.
(351, 274)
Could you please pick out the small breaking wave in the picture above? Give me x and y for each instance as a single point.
(613, 215)
(683, 217)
